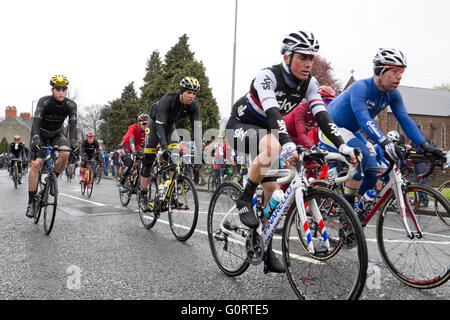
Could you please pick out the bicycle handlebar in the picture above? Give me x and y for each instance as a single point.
(325, 155)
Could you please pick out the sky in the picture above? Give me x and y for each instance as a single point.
(101, 46)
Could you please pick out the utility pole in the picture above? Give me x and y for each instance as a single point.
(234, 54)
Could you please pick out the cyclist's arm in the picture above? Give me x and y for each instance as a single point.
(37, 120)
(162, 115)
(359, 107)
(72, 121)
(411, 130)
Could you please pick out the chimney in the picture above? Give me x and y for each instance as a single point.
(10, 112)
(25, 115)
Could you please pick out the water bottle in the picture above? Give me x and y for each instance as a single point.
(273, 202)
(366, 200)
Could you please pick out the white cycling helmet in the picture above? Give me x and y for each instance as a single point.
(393, 135)
(301, 41)
(388, 57)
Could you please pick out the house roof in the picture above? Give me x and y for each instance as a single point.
(424, 101)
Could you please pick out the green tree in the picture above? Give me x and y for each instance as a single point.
(153, 81)
(162, 78)
(444, 86)
(117, 116)
(4, 145)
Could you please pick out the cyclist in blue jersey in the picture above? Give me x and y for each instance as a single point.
(355, 109)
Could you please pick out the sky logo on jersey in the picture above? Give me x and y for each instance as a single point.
(282, 127)
(334, 129)
(287, 106)
(266, 84)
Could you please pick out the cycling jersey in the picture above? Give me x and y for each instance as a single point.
(50, 115)
(299, 123)
(134, 139)
(89, 150)
(272, 95)
(356, 107)
(18, 150)
(168, 110)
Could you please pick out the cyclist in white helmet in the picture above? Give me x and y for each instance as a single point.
(256, 124)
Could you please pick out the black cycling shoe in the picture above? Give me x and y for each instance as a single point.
(143, 203)
(247, 214)
(31, 212)
(271, 263)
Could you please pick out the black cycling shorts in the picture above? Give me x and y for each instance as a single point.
(53, 139)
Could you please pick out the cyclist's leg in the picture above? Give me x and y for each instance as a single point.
(61, 141)
(33, 176)
(151, 141)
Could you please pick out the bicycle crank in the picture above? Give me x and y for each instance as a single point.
(255, 248)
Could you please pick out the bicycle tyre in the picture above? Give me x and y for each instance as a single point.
(90, 184)
(230, 256)
(184, 218)
(125, 196)
(15, 176)
(394, 245)
(37, 207)
(340, 275)
(49, 215)
(148, 219)
(98, 175)
(441, 188)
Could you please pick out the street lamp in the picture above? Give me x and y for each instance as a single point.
(32, 108)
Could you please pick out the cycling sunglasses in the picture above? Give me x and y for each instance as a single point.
(60, 88)
(327, 101)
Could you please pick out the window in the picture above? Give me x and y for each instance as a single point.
(443, 136)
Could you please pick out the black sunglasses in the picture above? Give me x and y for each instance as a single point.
(59, 88)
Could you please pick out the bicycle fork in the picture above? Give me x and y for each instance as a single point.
(304, 220)
(404, 206)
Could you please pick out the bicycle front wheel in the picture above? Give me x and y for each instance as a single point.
(444, 189)
(90, 184)
(148, 219)
(183, 209)
(50, 204)
(338, 272)
(211, 185)
(422, 262)
(225, 229)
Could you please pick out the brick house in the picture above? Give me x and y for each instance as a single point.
(16, 125)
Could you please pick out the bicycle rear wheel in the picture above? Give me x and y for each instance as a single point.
(50, 204)
(183, 209)
(422, 262)
(223, 220)
(338, 273)
(125, 196)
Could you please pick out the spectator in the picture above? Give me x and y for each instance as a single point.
(421, 167)
(106, 166)
(115, 163)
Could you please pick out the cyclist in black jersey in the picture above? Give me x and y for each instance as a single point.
(256, 124)
(17, 149)
(90, 150)
(47, 129)
(161, 126)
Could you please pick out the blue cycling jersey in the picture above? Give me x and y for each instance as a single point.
(356, 107)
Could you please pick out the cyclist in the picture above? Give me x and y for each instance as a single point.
(133, 142)
(90, 150)
(301, 121)
(17, 149)
(355, 109)
(275, 92)
(47, 129)
(161, 126)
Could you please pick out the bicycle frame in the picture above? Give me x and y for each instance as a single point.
(396, 185)
(295, 191)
